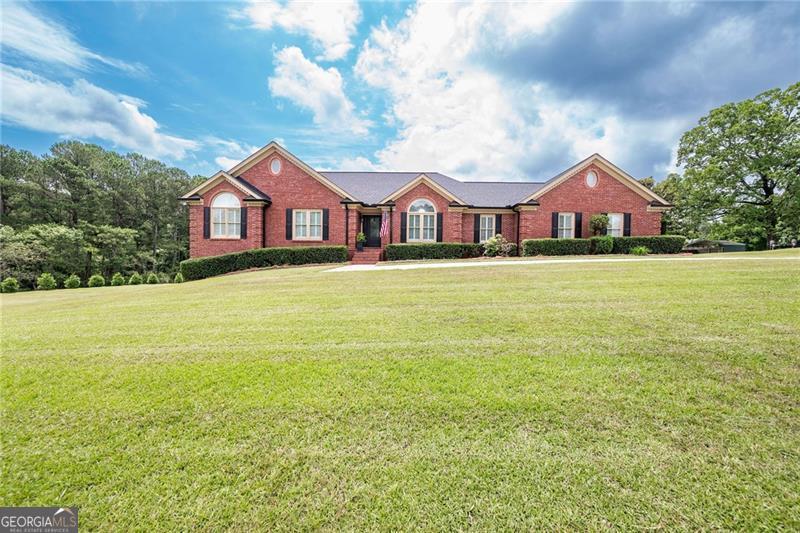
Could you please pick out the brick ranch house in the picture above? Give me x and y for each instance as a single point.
(272, 198)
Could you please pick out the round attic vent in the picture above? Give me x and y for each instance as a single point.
(275, 166)
(591, 178)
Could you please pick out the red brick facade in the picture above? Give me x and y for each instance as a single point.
(294, 188)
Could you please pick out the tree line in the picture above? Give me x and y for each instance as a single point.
(82, 209)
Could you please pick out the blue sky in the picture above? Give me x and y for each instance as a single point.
(478, 91)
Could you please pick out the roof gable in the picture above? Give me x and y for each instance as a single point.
(221, 176)
(274, 147)
(613, 170)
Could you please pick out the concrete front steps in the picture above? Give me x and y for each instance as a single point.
(369, 256)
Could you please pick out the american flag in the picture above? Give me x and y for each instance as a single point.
(385, 224)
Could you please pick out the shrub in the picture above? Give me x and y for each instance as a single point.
(152, 279)
(205, 267)
(72, 282)
(9, 284)
(555, 247)
(135, 279)
(657, 244)
(433, 250)
(117, 279)
(598, 224)
(178, 278)
(46, 282)
(639, 250)
(498, 246)
(602, 245)
(97, 280)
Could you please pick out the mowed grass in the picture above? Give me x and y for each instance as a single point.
(660, 395)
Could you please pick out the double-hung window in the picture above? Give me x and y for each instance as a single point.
(422, 221)
(566, 225)
(487, 227)
(307, 224)
(226, 217)
(615, 224)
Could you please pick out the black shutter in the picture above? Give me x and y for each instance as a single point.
(605, 231)
(663, 227)
(403, 220)
(498, 224)
(439, 225)
(206, 222)
(324, 224)
(288, 224)
(554, 226)
(243, 223)
(477, 230)
(626, 232)
(578, 225)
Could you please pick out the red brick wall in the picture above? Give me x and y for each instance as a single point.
(451, 232)
(509, 229)
(199, 247)
(293, 188)
(573, 195)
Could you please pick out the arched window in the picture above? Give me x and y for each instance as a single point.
(421, 221)
(225, 216)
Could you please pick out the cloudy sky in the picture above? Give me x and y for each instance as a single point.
(474, 90)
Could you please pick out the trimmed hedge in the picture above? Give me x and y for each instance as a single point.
(556, 247)
(602, 245)
(657, 244)
(432, 250)
(206, 267)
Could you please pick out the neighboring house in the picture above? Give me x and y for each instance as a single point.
(274, 199)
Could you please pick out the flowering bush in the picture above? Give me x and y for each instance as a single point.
(498, 246)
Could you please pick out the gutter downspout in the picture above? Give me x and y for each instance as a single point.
(347, 225)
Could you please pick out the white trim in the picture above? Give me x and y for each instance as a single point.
(422, 178)
(571, 225)
(273, 147)
(480, 227)
(214, 180)
(614, 171)
(421, 214)
(307, 224)
(621, 226)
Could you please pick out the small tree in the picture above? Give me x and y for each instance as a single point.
(152, 279)
(178, 278)
(135, 279)
(498, 246)
(598, 224)
(97, 280)
(46, 282)
(72, 282)
(9, 285)
(117, 279)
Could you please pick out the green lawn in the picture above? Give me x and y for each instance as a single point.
(574, 396)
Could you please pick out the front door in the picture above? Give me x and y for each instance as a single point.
(372, 229)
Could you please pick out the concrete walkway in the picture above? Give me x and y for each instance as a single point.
(479, 263)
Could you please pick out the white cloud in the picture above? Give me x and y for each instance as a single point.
(457, 116)
(30, 33)
(231, 152)
(318, 90)
(84, 110)
(329, 24)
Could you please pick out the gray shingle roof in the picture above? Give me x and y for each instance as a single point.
(372, 187)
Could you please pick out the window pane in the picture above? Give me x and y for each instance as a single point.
(413, 221)
(316, 217)
(218, 215)
(233, 215)
(234, 230)
(300, 231)
(300, 218)
(218, 229)
(421, 206)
